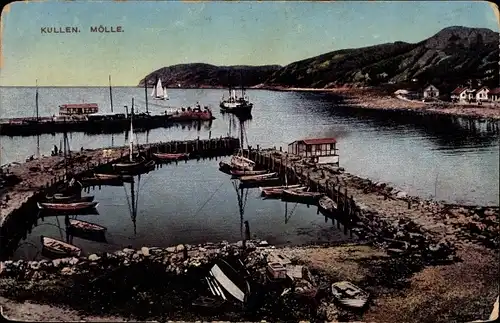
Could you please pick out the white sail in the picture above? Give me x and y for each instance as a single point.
(159, 89)
(153, 93)
(233, 94)
(165, 94)
(131, 139)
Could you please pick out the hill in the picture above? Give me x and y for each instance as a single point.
(198, 75)
(450, 57)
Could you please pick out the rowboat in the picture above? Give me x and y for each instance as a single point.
(349, 295)
(86, 227)
(59, 248)
(253, 178)
(112, 176)
(310, 198)
(70, 199)
(280, 187)
(231, 281)
(131, 165)
(277, 192)
(243, 163)
(262, 182)
(173, 157)
(326, 205)
(67, 206)
(238, 172)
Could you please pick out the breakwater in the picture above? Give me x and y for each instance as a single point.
(32, 179)
(379, 212)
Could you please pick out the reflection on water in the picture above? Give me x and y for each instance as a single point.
(196, 203)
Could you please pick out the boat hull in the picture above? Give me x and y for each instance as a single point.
(239, 173)
(67, 206)
(53, 248)
(327, 206)
(170, 157)
(130, 165)
(71, 200)
(301, 197)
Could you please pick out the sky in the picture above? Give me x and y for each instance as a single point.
(162, 33)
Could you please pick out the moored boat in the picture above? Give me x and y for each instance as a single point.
(281, 187)
(242, 163)
(67, 206)
(349, 295)
(277, 192)
(171, 157)
(253, 178)
(326, 205)
(112, 176)
(69, 199)
(85, 227)
(310, 198)
(239, 173)
(58, 248)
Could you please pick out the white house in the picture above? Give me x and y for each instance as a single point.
(431, 92)
(482, 94)
(494, 95)
(459, 94)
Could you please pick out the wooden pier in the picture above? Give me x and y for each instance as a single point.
(38, 176)
(378, 211)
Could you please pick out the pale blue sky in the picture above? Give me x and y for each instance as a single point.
(162, 33)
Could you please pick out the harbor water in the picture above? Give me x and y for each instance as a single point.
(193, 202)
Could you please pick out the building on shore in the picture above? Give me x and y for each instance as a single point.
(482, 95)
(494, 95)
(430, 92)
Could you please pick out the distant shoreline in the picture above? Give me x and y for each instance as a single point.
(363, 98)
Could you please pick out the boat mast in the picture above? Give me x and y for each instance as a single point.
(146, 93)
(37, 120)
(229, 84)
(36, 102)
(242, 88)
(131, 136)
(110, 94)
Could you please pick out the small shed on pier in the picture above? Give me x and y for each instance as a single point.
(321, 150)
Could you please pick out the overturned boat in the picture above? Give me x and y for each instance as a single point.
(231, 281)
(54, 248)
(349, 295)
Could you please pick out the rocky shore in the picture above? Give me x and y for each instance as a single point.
(432, 230)
(164, 284)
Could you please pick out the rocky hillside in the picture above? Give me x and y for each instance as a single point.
(198, 75)
(450, 57)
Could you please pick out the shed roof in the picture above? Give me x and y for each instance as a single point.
(318, 141)
(458, 90)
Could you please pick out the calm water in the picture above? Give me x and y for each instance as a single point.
(423, 158)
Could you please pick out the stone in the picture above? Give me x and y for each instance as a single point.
(171, 249)
(73, 261)
(145, 251)
(67, 271)
(201, 249)
(179, 248)
(128, 250)
(94, 257)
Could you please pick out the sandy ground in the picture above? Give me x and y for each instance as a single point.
(370, 98)
(460, 292)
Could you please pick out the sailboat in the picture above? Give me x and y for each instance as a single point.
(238, 161)
(135, 162)
(235, 105)
(159, 91)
